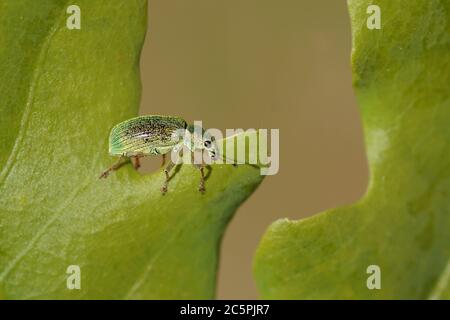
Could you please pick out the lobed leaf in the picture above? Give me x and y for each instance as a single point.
(402, 224)
(61, 92)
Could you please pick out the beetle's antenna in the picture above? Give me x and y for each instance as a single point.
(224, 157)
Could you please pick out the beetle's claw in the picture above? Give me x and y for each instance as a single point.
(202, 189)
(164, 190)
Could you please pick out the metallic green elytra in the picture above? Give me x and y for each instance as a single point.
(158, 135)
(145, 135)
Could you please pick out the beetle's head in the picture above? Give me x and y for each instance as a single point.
(199, 139)
(209, 144)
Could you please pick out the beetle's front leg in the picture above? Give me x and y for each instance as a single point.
(201, 186)
(201, 167)
(122, 160)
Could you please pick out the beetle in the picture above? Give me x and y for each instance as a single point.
(158, 135)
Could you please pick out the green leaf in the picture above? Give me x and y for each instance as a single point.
(61, 92)
(402, 224)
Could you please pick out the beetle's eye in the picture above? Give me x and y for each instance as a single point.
(207, 143)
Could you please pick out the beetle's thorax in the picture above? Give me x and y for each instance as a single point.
(196, 138)
(193, 140)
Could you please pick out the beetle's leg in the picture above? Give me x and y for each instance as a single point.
(201, 186)
(136, 163)
(163, 160)
(167, 170)
(200, 166)
(122, 160)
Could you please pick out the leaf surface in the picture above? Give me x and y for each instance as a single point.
(402, 224)
(61, 92)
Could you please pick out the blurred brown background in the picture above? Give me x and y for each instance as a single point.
(262, 64)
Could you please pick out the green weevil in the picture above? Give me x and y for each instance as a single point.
(158, 135)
